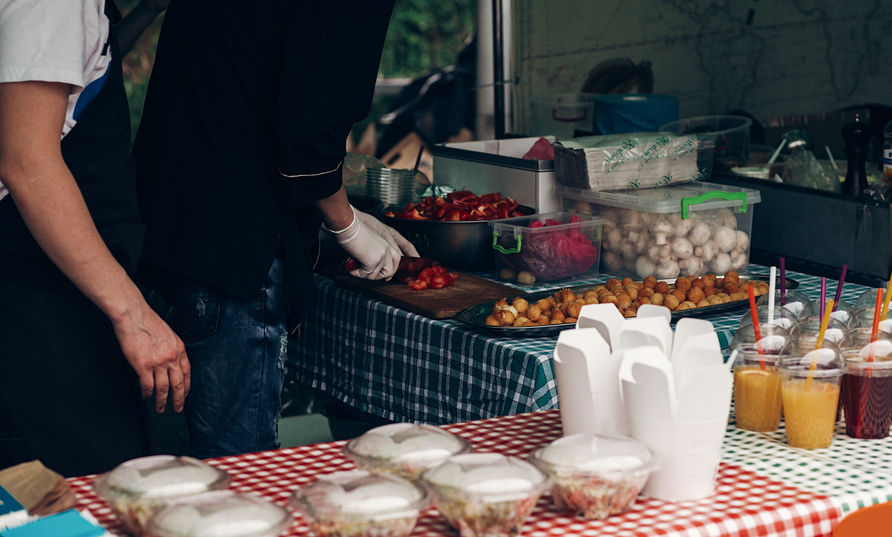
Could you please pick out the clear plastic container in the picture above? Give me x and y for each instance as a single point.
(360, 504)
(485, 494)
(404, 449)
(548, 247)
(687, 229)
(138, 488)
(795, 301)
(222, 513)
(594, 476)
(730, 134)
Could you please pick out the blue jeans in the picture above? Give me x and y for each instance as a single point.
(237, 349)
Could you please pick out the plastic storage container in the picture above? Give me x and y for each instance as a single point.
(221, 512)
(562, 114)
(731, 135)
(139, 488)
(548, 247)
(688, 229)
(595, 476)
(360, 504)
(404, 449)
(485, 494)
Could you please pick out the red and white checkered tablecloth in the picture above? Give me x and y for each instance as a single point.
(746, 504)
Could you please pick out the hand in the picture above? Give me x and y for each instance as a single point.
(376, 247)
(157, 355)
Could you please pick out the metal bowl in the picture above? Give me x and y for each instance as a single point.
(463, 245)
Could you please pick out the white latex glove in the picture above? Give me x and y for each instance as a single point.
(375, 246)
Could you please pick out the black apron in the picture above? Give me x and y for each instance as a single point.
(64, 383)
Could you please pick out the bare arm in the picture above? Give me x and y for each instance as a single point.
(48, 198)
(135, 23)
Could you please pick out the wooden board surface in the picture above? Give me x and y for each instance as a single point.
(467, 291)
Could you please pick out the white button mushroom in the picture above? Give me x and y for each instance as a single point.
(700, 233)
(738, 259)
(725, 239)
(667, 269)
(722, 263)
(692, 265)
(661, 229)
(682, 248)
(644, 267)
(726, 218)
(707, 251)
(743, 241)
(658, 253)
(682, 227)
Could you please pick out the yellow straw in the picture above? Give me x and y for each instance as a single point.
(888, 296)
(824, 322)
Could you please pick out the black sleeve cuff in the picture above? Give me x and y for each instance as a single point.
(303, 190)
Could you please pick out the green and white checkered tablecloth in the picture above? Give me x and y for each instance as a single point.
(386, 361)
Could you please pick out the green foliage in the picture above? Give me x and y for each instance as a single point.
(424, 35)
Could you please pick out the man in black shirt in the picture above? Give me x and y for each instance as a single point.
(239, 158)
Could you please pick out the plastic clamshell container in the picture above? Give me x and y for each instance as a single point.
(485, 494)
(138, 488)
(220, 513)
(686, 229)
(404, 449)
(561, 246)
(730, 135)
(595, 476)
(360, 504)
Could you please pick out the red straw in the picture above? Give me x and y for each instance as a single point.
(842, 279)
(876, 324)
(755, 314)
(783, 281)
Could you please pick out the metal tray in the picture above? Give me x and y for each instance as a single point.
(476, 315)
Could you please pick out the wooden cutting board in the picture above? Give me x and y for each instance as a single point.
(467, 291)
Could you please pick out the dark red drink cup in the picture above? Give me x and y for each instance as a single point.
(867, 396)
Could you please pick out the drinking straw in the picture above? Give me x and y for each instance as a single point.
(832, 161)
(823, 296)
(825, 320)
(771, 277)
(418, 159)
(842, 278)
(755, 315)
(876, 324)
(888, 296)
(783, 281)
(777, 151)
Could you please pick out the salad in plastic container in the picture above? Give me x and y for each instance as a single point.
(485, 494)
(404, 449)
(595, 476)
(221, 513)
(360, 504)
(138, 488)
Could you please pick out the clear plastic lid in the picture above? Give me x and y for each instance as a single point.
(487, 477)
(160, 477)
(666, 199)
(588, 454)
(220, 513)
(359, 494)
(405, 444)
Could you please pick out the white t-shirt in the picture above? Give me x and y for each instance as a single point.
(56, 41)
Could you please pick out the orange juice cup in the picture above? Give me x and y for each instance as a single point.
(757, 391)
(810, 397)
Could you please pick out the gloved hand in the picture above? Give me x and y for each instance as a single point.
(375, 246)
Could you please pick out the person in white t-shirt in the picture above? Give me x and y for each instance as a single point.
(79, 343)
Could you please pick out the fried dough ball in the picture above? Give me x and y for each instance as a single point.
(657, 299)
(729, 287)
(683, 284)
(627, 281)
(686, 305)
(590, 297)
(698, 283)
(566, 295)
(644, 300)
(662, 287)
(732, 276)
(630, 312)
(695, 295)
(645, 292)
(545, 304)
(609, 299)
(557, 316)
(708, 280)
(505, 317)
(534, 313)
(570, 320)
(671, 302)
(650, 282)
(632, 291)
(719, 282)
(613, 283)
(492, 321)
(714, 299)
(703, 303)
(709, 291)
(739, 296)
(574, 308)
(520, 304)
(623, 300)
(522, 321)
(679, 294)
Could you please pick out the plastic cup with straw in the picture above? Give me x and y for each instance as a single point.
(757, 387)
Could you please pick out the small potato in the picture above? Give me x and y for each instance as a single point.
(650, 281)
(657, 299)
(695, 295)
(525, 277)
(534, 313)
(679, 294)
(492, 321)
(662, 287)
(703, 303)
(708, 280)
(520, 304)
(645, 292)
(671, 302)
(683, 284)
(507, 274)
